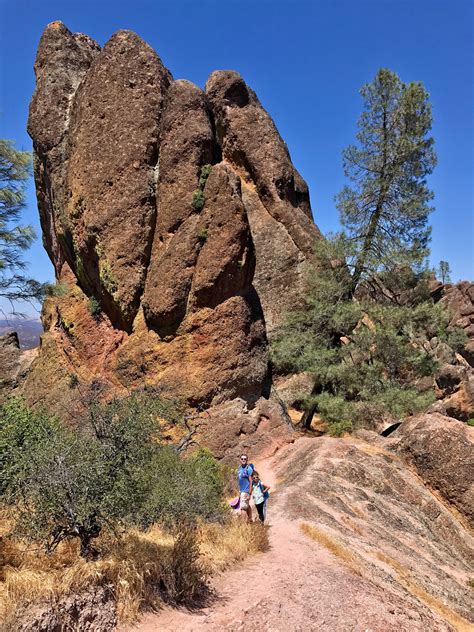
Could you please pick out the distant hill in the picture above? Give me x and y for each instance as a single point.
(28, 330)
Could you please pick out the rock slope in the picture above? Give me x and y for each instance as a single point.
(176, 222)
(357, 543)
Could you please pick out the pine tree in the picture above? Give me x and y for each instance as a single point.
(365, 354)
(385, 212)
(363, 331)
(444, 272)
(15, 238)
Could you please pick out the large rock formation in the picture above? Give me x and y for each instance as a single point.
(459, 300)
(175, 220)
(454, 381)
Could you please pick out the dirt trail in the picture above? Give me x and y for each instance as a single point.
(296, 586)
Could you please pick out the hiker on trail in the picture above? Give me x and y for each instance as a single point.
(260, 493)
(244, 475)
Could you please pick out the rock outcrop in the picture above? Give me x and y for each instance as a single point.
(454, 381)
(176, 222)
(377, 517)
(442, 450)
(459, 299)
(274, 194)
(14, 364)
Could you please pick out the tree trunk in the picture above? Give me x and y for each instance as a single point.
(307, 417)
(374, 220)
(86, 534)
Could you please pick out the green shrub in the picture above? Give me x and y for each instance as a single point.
(73, 380)
(57, 289)
(457, 339)
(183, 489)
(401, 402)
(470, 422)
(113, 471)
(334, 409)
(203, 234)
(94, 306)
(205, 173)
(338, 428)
(198, 200)
(198, 195)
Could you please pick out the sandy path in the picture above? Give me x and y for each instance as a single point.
(296, 586)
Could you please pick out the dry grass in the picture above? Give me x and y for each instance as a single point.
(406, 580)
(223, 546)
(333, 545)
(142, 569)
(131, 567)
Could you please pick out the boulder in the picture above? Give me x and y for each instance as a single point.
(455, 377)
(449, 377)
(459, 402)
(442, 450)
(231, 429)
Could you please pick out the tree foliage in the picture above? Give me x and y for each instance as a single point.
(114, 471)
(385, 211)
(15, 238)
(444, 272)
(365, 354)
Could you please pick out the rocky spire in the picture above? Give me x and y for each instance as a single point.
(178, 213)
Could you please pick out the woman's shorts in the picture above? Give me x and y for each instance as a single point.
(244, 501)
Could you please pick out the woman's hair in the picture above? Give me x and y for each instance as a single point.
(255, 473)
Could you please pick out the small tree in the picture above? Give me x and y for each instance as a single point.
(15, 238)
(112, 472)
(444, 272)
(364, 355)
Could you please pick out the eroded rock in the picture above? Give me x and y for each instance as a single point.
(14, 364)
(110, 215)
(274, 193)
(442, 450)
(381, 521)
(182, 221)
(62, 61)
(186, 144)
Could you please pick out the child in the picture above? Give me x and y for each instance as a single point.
(260, 495)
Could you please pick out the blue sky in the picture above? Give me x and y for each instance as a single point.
(306, 61)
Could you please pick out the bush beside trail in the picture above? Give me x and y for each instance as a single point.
(108, 508)
(113, 472)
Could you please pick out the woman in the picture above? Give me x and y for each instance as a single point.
(244, 476)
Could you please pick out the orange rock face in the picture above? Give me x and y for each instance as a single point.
(174, 218)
